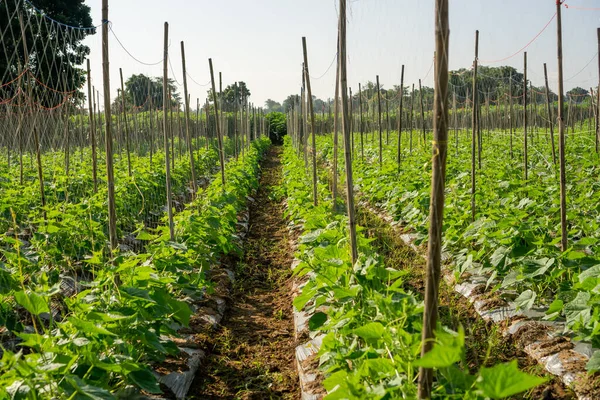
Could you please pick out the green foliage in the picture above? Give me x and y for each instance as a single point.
(371, 325)
(277, 126)
(99, 341)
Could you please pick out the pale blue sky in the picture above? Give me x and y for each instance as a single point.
(259, 41)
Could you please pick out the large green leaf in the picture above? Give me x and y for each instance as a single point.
(370, 332)
(32, 302)
(504, 380)
(526, 300)
(145, 381)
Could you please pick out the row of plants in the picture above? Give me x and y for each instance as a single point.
(94, 332)
(515, 235)
(370, 322)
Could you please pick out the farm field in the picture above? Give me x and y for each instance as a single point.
(414, 220)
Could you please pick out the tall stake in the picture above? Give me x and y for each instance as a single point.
(474, 126)
(110, 177)
(346, 129)
(379, 122)
(561, 131)
(123, 104)
(598, 95)
(549, 109)
(335, 132)
(525, 114)
(218, 126)
(166, 107)
(399, 155)
(187, 121)
(436, 208)
(510, 114)
(312, 121)
(92, 127)
(361, 122)
(422, 114)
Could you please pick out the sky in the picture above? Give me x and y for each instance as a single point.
(260, 41)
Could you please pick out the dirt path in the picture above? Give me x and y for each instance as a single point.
(251, 356)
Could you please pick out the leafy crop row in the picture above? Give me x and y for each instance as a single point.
(516, 233)
(93, 332)
(372, 325)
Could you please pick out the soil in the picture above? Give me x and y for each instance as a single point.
(251, 355)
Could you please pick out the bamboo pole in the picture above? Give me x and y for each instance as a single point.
(422, 114)
(126, 130)
(187, 121)
(217, 124)
(110, 178)
(474, 126)
(312, 121)
(91, 121)
(561, 131)
(525, 115)
(361, 123)
(436, 208)
(346, 129)
(399, 152)
(335, 132)
(166, 129)
(379, 122)
(549, 110)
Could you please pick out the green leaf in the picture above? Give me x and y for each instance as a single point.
(86, 391)
(145, 381)
(89, 327)
(593, 364)
(317, 320)
(32, 302)
(504, 380)
(370, 332)
(526, 300)
(578, 310)
(440, 356)
(499, 256)
(592, 272)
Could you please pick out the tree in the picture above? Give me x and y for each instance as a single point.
(142, 92)
(290, 102)
(55, 52)
(237, 92)
(273, 106)
(577, 94)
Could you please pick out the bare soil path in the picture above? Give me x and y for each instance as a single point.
(251, 355)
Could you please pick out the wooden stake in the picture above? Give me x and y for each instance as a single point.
(166, 107)
(549, 110)
(91, 121)
(187, 121)
(422, 114)
(110, 178)
(561, 131)
(362, 126)
(335, 133)
(346, 130)
(474, 126)
(436, 208)
(525, 115)
(510, 115)
(399, 153)
(312, 121)
(123, 104)
(218, 126)
(379, 122)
